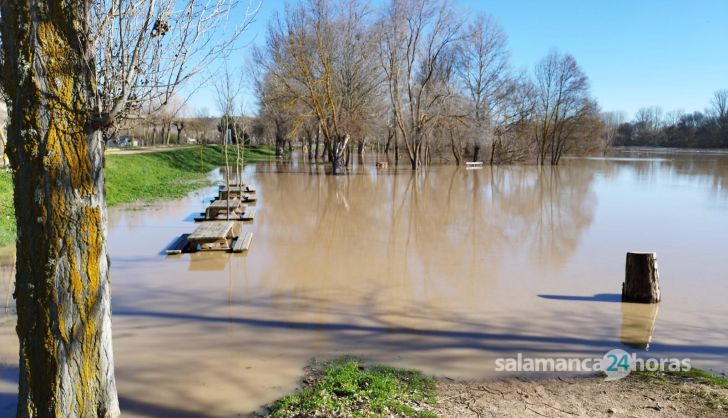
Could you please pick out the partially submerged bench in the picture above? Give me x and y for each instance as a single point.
(234, 191)
(214, 235)
(177, 246)
(220, 206)
(243, 243)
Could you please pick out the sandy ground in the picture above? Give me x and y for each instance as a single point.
(634, 396)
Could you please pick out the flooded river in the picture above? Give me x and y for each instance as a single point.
(444, 271)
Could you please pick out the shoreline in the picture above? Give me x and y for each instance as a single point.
(638, 395)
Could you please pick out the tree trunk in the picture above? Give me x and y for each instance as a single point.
(326, 153)
(641, 281)
(476, 152)
(280, 144)
(62, 281)
(2, 149)
(309, 150)
(337, 154)
(316, 152)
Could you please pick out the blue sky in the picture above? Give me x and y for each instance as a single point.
(669, 53)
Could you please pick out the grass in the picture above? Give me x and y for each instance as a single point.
(701, 376)
(167, 174)
(144, 176)
(706, 395)
(7, 210)
(346, 388)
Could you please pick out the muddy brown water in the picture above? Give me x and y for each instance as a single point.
(444, 271)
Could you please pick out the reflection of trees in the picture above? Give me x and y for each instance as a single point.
(441, 236)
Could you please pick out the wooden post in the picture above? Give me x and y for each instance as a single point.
(641, 280)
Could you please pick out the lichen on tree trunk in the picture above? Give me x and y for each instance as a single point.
(56, 152)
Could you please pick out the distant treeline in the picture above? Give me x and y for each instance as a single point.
(707, 129)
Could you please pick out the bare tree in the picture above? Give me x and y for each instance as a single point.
(719, 105)
(71, 69)
(483, 68)
(611, 122)
(228, 88)
(306, 67)
(649, 119)
(417, 36)
(275, 114)
(563, 106)
(144, 50)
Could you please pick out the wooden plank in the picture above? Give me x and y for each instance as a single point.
(248, 215)
(178, 245)
(211, 231)
(234, 191)
(248, 198)
(473, 163)
(243, 244)
(223, 204)
(219, 215)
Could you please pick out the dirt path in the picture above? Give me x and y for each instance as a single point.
(634, 396)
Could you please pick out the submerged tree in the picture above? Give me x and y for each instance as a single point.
(418, 38)
(304, 68)
(483, 69)
(563, 107)
(58, 110)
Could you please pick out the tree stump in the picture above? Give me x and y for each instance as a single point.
(641, 280)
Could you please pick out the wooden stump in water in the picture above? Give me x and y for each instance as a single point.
(641, 280)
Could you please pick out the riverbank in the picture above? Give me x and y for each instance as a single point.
(135, 175)
(645, 395)
(346, 387)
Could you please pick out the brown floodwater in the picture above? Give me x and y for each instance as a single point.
(444, 271)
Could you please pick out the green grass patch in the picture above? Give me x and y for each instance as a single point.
(131, 177)
(711, 395)
(7, 210)
(346, 388)
(701, 376)
(168, 174)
